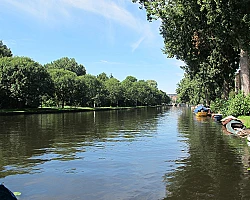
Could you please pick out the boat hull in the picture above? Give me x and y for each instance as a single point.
(201, 114)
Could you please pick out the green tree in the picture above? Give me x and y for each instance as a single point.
(231, 19)
(67, 64)
(23, 82)
(114, 89)
(4, 50)
(64, 83)
(104, 96)
(165, 99)
(205, 34)
(189, 91)
(152, 83)
(154, 97)
(93, 90)
(80, 91)
(102, 77)
(130, 90)
(144, 92)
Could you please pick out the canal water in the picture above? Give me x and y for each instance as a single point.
(139, 154)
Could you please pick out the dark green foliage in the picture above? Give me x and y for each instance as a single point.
(23, 82)
(142, 92)
(130, 91)
(208, 36)
(4, 50)
(114, 90)
(64, 83)
(239, 105)
(67, 64)
(80, 92)
(219, 106)
(236, 106)
(102, 77)
(93, 90)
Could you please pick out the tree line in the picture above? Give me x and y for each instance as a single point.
(212, 37)
(24, 83)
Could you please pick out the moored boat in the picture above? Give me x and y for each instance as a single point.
(201, 114)
(201, 111)
(217, 117)
(234, 126)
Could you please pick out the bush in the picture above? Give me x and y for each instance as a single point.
(239, 105)
(218, 106)
(236, 105)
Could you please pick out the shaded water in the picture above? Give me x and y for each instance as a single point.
(154, 153)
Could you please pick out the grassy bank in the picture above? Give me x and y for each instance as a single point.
(245, 120)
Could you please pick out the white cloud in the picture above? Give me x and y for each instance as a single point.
(103, 61)
(42, 9)
(110, 63)
(106, 8)
(115, 11)
(47, 9)
(137, 43)
(9, 42)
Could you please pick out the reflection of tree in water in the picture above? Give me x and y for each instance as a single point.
(28, 140)
(213, 169)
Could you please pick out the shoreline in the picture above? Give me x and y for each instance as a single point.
(54, 110)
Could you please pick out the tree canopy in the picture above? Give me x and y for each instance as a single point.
(67, 64)
(23, 82)
(64, 83)
(208, 35)
(4, 50)
(26, 83)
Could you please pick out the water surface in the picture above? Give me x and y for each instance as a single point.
(154, 153)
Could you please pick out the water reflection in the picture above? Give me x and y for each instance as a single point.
(214, 167)
(26, 141)
(154, 153)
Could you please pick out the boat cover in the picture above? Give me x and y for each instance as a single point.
(200, 108)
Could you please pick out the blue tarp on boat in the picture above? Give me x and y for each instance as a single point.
(200, 108)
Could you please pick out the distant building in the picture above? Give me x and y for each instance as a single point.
(173, 97)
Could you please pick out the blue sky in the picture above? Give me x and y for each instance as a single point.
(111, 36)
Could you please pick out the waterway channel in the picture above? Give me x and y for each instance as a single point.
(139, 154)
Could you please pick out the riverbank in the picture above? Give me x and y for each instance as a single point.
(66, 109)
(245, 120)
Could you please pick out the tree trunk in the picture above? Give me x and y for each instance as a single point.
(206, 97)
(226, 90)
(237, 82)
(244, 66)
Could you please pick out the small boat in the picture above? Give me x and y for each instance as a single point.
(201, 114)
(201, 111)
(234, 126)
(217, 117)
